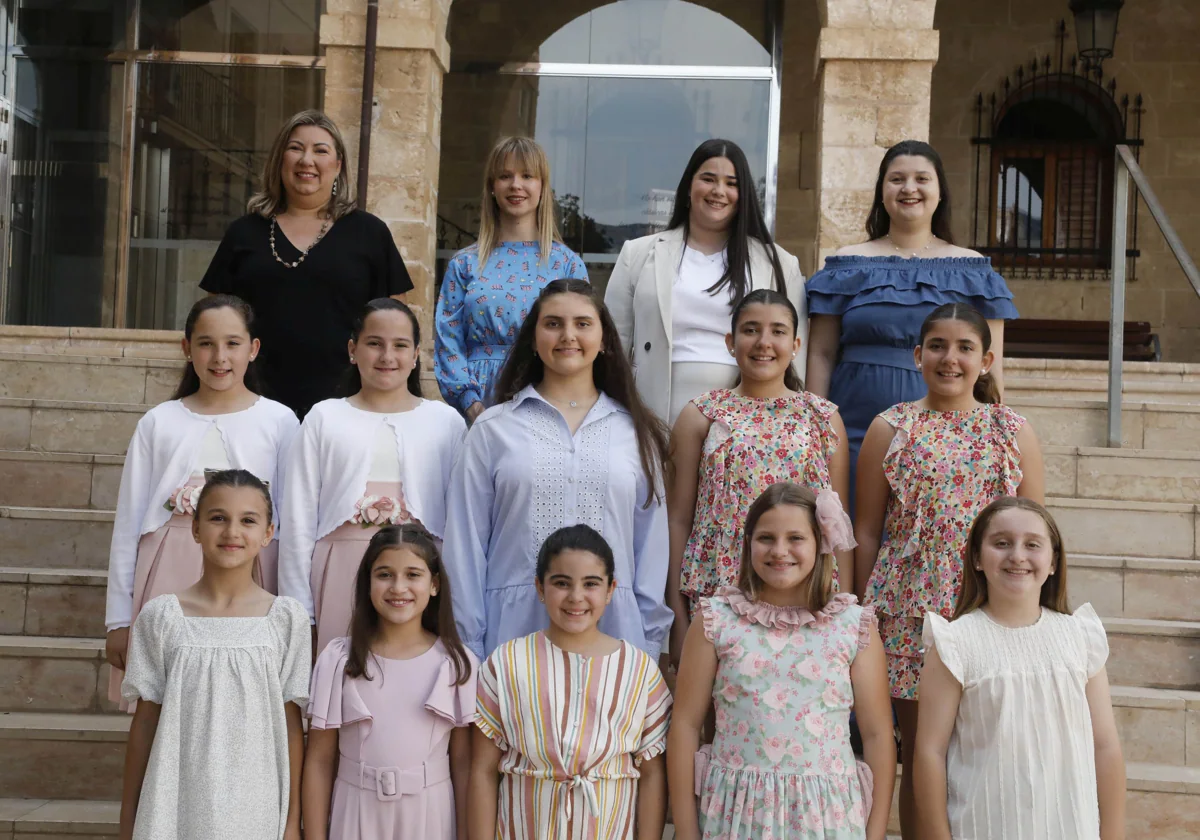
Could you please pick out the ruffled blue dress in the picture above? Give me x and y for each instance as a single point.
(882, 302)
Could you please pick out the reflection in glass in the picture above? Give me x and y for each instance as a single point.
(672, 32)
(278, 27)
(66, 138)
(71, 23)
(202, 137)
(1022, 184)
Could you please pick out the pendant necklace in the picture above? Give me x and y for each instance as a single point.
(899, 250)
(304, 253)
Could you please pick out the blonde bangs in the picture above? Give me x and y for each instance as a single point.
(529, 156)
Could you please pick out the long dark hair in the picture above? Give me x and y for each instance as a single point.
(985, 390)
(820, 580)
(352, 379)
(232, 478)
(748, 221)
(611, 374)
(438, 617)
(190, 382)
(974, 592)
(770, 297)
(878, 220)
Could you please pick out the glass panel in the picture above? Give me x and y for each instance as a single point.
(617, 148)
(719, 32)
(203, 134)
(277, 27)
(1022, 185)
(66, 163)
(71, 23)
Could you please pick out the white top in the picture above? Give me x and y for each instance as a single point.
(212, 451)
(699, 319)
(1021, 761)
(385, 461)
(329, 467)
(222, 731)
(166, 451)
(521, 476)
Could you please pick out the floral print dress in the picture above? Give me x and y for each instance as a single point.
(751, 444)
(781, 764)
(943, 467)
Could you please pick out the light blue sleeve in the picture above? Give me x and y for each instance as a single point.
(468, 535)
(576, 268)
(650, 553)
(450, 325)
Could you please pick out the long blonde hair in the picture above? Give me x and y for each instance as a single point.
(271, 198)
(528, 155)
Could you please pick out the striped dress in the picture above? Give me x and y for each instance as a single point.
(574, 730)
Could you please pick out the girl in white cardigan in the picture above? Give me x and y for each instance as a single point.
(216, 421)
(379, 457)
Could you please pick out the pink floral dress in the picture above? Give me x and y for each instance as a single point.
(751, 445)
(943, 467)
(781, 764)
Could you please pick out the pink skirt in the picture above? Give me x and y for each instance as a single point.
(169, 561)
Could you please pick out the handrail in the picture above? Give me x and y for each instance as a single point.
(1127, 167)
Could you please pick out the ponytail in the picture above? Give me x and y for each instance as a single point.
(986, 390)
(352, 380)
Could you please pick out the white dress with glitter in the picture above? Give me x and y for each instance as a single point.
(219, 763)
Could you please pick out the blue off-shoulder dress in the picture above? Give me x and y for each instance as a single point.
(882, 302)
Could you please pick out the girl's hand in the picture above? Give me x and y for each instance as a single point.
(474, 411)
(116, 645)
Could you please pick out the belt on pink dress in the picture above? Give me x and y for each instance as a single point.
(391, 783)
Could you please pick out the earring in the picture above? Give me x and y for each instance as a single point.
(351, 360)
(188, 358)
(983, 372)
(432, 592)
(334, 189)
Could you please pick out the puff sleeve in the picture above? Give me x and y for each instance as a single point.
(295, 639)
(145, 664)
(1094, 637)
(938, 633)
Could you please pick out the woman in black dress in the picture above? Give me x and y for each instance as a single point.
(307, 260)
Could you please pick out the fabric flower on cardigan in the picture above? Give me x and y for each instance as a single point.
(183, 501)
(379, 510)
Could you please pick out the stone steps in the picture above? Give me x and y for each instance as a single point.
(1130, 528)
(62, 538)
(1135, 587)
(48, 674)
(89, 428)
(1145, 475)
(1068, 420)
(62, 756)
(52, 602)
(59, 479)
(1148, 653)
(57, 819)
(93, 378)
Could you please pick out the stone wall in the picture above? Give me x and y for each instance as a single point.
(983, 40)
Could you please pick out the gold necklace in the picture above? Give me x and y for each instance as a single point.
(304, 253)
(899, 250)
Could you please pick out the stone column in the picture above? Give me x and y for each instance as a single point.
(875, 63)
(411, 57)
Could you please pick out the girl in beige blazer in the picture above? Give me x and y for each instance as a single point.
(716, 212)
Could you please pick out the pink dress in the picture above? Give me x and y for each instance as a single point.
(393, 777)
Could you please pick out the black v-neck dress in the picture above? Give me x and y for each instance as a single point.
(304, 315)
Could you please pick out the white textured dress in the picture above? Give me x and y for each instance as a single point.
(1021, 762)
(219, 765)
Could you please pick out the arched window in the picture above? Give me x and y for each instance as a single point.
(1043, 196)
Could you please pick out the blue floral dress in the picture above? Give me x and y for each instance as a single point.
(479, 313)
(882, 302)
(781, 764)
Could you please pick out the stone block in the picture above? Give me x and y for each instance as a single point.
(1144, 478)
(848, 122)
(843, 214)
(15, 420)
(39, 481)
(902, 122)
(1162, 816)
(62, 769)
(1152, 735)
(160, 385)
(1162, 594)
(1154, 661)
(1172, 430)
(53, 378)
(106, 483)
(1192, 734)
(878, 44)
(1102, 588)
(1060, 473)
(65, 610)
(1126, 528)
(877, 81)
(849, 168)
(878, 14)
(12, 608)
(55, 543)
(47, 685)
(58, 428)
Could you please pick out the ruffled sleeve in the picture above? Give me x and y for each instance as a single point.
(658, 714)
(334, 700)
(900, 417)
(847, 282)
(1007, 424)
(712, 622)
(1094, 637)
(489, 716)
(938, 633)
(290, 622)
(867, 621)
(451, 701)
(145, 664)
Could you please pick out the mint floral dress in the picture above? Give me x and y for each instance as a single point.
(781, 764)
(943, 468)
(751, 444)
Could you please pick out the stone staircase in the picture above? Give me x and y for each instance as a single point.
(69, 400)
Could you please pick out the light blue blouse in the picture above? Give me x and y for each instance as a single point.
(479, 313)
(520, 476)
